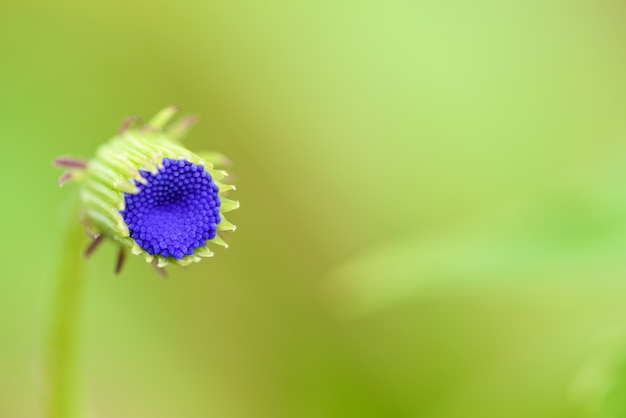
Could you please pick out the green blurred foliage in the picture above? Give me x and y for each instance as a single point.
(433, 215)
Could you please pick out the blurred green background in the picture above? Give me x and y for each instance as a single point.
(433, 217)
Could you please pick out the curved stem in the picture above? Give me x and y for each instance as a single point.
(64, 323)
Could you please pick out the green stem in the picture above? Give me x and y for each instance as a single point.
(64, 323)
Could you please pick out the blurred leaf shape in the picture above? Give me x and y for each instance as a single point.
(599, 388)
(574, 229)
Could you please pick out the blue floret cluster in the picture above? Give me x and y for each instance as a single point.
(177, 211)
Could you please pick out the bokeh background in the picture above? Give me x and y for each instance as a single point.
(433, 217)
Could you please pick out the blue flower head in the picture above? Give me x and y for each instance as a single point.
(175, 212)
(144, 190)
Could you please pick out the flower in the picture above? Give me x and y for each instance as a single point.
(151, 195)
